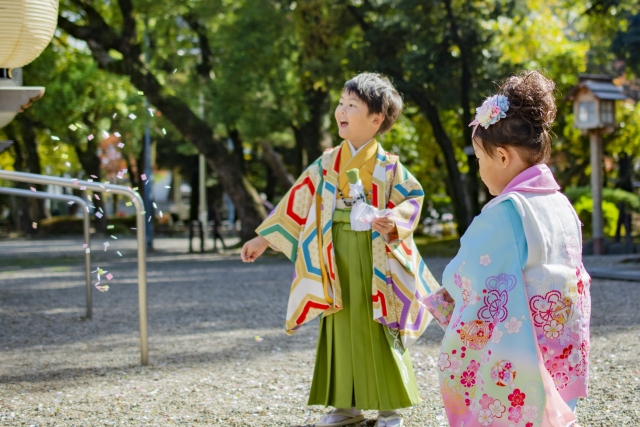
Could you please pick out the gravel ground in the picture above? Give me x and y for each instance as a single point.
(206, 365)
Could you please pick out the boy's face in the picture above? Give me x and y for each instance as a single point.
(355, 124)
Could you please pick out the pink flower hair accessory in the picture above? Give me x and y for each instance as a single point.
(491, 111)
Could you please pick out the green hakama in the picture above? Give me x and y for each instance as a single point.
(356, 363)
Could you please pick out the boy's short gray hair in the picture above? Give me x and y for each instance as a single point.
(377, 92)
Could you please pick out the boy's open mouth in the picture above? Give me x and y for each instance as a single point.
(343, 123)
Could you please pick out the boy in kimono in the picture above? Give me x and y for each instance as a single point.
(365, 284)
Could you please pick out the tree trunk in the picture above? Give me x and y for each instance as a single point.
(473, 182)
(101, 38)
(309, 135)
(454, 181)
(276, 166)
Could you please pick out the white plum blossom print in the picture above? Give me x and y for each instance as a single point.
(496, 336)
(530, 413)
(486, 356)
(475, 406)
(474, 298)
(574, 357)
(485, 417)
(443, 361)
(485, 260)
(513, 325)
(497, 408)
(552, 329)
(455, 365)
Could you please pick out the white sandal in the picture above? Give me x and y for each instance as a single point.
(390, 418)
(351, 419)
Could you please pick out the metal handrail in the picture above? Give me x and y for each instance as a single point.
(141, 235)
(87, 237)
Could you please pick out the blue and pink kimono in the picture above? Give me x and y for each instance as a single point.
(515, 305)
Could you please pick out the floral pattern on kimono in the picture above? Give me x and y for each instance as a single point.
(300, 226)
(490, 367)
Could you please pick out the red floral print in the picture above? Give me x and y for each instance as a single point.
(517, 398)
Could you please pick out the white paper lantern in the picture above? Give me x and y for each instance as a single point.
(26, 28)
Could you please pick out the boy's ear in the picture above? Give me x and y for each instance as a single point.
(378, 119)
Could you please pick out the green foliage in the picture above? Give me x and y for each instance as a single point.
(610, 195)
(584, 209)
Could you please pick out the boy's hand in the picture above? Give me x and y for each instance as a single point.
(254, 248)
(385, 225)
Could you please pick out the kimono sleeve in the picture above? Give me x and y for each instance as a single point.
(285, 224)
(405, 202)
(498, 225)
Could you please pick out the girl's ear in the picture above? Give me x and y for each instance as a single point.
(504, 157)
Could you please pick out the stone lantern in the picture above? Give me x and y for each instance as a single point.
(26, 28)
(594, 112)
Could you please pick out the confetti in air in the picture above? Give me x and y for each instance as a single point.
(68, 164)
(103, 288)
(117, 134)
(109, 276)
(96, 196)
(105, 134)
(82, 187)
(90, 137)
(98, 215)
(132, 116)
(141, 93)
(109, 227)
(73, 127)
(143, 176)
(56, 147)
(128, 204)
(71, 202)
(55, 138)
(93, 176)
(33, 189)
(257, 338)
(114, 115)
(114, 237)
(164, 131)
(106, 245)
(34, 225)
(64, 156)
(167, 186)
(119, 253)
(120, 144)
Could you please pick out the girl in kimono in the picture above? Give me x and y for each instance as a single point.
(364, 280)
(515, 301)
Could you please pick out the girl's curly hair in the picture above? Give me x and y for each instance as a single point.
(527, 126)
